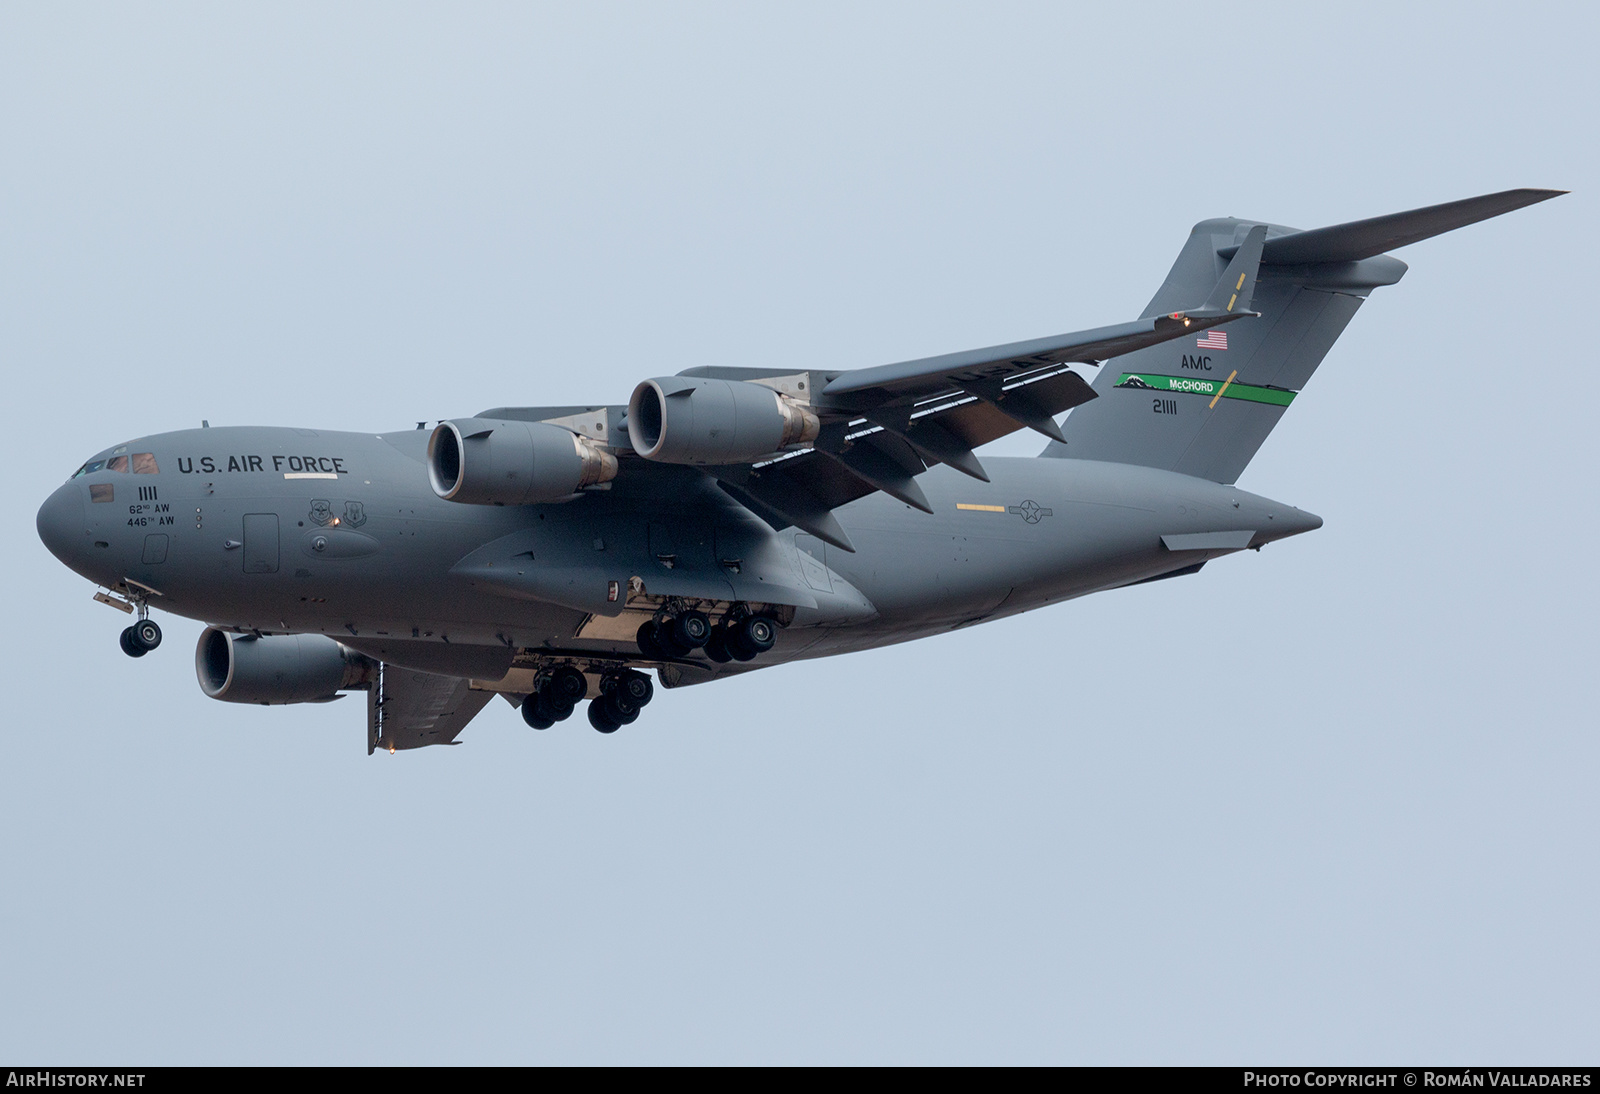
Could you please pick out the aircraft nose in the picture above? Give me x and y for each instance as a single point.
(61, 524)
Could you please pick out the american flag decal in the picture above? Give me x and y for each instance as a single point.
(1213, 339)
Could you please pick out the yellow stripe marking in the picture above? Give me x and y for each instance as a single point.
(1225, 384)
(1240, 285)
(981, 508)
(1231, 299)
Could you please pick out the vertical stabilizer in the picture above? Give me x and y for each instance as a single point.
(1203, 405)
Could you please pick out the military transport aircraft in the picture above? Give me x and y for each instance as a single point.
(726, 519)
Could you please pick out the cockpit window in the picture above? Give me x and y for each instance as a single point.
(140, 463)
(102, 491)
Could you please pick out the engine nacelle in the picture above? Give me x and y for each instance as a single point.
(679, 419)
(279, 668)
(484, 462)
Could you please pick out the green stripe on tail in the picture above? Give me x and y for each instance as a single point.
(1276, 396)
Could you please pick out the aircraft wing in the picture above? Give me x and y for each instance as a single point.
(883, 426)
(879, 428)
(409, 709)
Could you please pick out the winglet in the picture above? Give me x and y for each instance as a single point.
(1238, 284)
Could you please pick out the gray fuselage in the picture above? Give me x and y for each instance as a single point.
(275, 530)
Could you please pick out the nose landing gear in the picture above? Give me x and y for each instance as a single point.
(143, 636)
(129, 645)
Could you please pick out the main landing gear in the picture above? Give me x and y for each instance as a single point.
(736, 638)
(622, 695)
(676, 632)
(558, 693)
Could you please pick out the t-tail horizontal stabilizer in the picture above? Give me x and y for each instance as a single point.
(1360, 239)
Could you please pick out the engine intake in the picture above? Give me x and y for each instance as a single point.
(678, 419)
(481, 461)
(280, 668)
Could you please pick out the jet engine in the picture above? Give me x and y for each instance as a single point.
(280, 668)
(678, 419)
(484, 462)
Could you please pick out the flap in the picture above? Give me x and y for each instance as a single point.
(410, 709)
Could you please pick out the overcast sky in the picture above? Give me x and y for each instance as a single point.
(1332, 802)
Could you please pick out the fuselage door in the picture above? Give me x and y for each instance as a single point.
(155, 550)
(261, 543)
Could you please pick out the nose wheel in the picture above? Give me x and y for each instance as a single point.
(141, 638)
(144, 635)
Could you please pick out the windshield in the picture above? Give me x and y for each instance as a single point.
(140, 463)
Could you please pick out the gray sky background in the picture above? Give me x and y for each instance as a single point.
(1332, 802)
